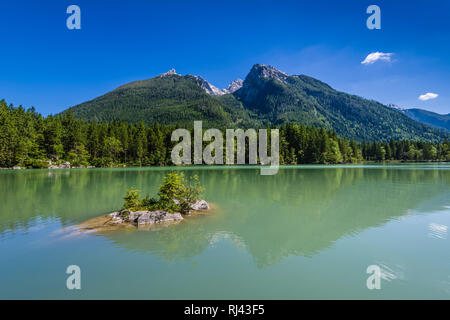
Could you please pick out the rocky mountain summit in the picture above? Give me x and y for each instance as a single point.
(214, 91)
(171, 72)
(234, 86)
(267, 72)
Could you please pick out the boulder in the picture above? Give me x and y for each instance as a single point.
(200, 205)
(65, 165)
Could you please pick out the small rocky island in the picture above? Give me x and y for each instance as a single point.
(140, 218)
(178, 198)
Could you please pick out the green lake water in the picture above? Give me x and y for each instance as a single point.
(308, 232)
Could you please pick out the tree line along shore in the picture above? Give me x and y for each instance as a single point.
(29, 140)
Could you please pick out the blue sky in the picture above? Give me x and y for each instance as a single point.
(43, 64)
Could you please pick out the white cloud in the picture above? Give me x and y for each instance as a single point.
(428, 96)
(375, 56)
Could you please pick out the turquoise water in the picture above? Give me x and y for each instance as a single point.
(308, 232)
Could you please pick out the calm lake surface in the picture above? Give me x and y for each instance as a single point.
(307, 232)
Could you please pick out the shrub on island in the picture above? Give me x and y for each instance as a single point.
(176, 194)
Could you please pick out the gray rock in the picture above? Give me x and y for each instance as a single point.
(132, 217)
(64, 165)
(200, 205)
(144, 217)
(125, 216)
(150, 217)
(116, 217)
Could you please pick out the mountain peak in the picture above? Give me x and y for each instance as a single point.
(256, 85)
(214, 91)
(267, 72)
(169, 73)
(235, 85)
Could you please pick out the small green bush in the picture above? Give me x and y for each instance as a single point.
(132, 201)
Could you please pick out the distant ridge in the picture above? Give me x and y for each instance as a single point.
(267, 96)
(440, 121)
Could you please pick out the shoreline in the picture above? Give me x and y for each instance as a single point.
(371, 162)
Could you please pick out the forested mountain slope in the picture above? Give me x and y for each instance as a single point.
(166, 99)
(267, 97)
(279, 98)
